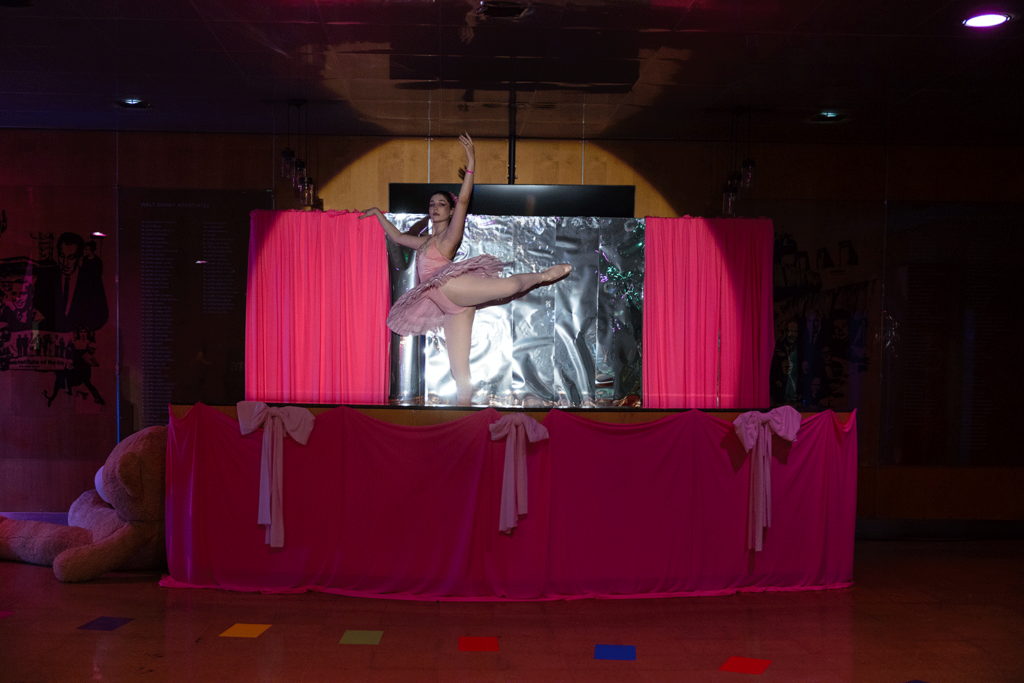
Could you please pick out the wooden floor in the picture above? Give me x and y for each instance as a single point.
(939, 612)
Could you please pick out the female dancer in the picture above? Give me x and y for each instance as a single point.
(448, 292)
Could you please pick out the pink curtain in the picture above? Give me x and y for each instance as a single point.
(316, 305)
(376, 509)
(707, 313)
(746, 319)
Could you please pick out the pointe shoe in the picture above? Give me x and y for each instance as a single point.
(557, 272)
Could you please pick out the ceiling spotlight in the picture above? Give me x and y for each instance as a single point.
(133, 103)
(97, 233)
(828, 116)
(986, 20)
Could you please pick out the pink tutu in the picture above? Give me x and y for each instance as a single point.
(424, 307)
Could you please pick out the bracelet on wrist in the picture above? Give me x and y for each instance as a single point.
(469, 172)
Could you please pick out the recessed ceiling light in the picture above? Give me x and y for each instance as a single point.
(133, 103)
(828, 116)
(97, 233)
(987, 20)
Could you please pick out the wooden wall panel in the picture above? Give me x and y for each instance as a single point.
(956, 174)
(950, 493)
(540, 162)
(355, 172)
(672, 179)
(195, 161)
(30, 485)
(53, 158)
(347, 175)
(816, 172)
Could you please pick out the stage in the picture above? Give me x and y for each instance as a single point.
(410, 503)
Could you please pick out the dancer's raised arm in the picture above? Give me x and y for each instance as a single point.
(393, 233)
(450, 239)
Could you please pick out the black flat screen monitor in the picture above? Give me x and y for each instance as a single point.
(605, 201)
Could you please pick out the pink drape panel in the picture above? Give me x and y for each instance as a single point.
(681, 281)
(316, 303)
(376, 509)
(704, 278)
(661, 509)
(373, 509)
(746, 311)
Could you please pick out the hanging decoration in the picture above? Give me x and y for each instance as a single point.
(293, 166)
(742, 179)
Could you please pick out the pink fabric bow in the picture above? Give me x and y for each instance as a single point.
(755, 432)
(297, 423)
(517, 429)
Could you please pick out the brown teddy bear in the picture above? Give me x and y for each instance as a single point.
(119, 525)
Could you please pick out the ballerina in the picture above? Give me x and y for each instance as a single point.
(448, 292)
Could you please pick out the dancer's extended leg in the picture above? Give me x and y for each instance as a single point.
(458, 337)
(472, 290)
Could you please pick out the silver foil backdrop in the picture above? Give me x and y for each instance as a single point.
(576, 343)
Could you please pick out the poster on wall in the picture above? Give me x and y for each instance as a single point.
(827, 300)
(57, 343)
(183, 256)
(52, 307)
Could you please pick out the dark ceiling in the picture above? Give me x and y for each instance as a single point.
(904, 71)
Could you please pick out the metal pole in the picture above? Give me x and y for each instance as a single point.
(512, 135)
